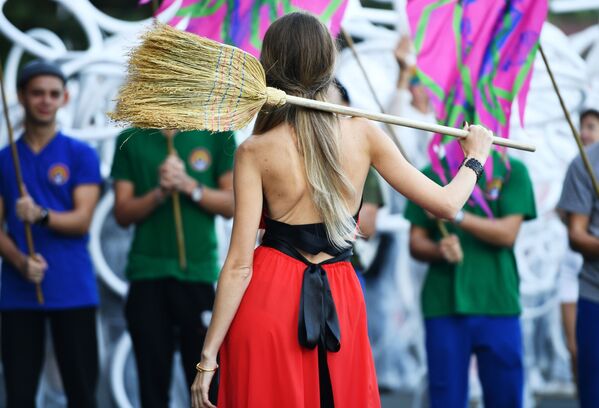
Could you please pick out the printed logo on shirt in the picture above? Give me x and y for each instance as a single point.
(58, 174)
(494, 188)
(200, 159)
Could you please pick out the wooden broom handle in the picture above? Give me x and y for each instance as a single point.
(398, 120)
(19, 176)
(177, 214)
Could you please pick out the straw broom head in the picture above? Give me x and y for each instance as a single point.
(180, 80)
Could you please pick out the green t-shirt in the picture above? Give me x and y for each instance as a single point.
(153, 254)
(486, 282)
(372, 193)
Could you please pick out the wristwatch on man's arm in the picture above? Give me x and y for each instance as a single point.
(44, 217)
(459, 217)
(197, 193)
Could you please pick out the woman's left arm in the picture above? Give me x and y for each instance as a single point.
(237, 270)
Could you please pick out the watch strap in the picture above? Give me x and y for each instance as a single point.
(459, 217)
(197, 193)
(45, 217)
(475, 166)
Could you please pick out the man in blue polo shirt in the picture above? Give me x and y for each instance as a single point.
(62, 178)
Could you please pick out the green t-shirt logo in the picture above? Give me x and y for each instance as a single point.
(200, 159)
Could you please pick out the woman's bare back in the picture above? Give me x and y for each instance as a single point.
(284, 180)
(284, 183)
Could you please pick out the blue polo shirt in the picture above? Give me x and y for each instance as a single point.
(50, 176)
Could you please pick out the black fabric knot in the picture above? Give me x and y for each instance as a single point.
(318, 322)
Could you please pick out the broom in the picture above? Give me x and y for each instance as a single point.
(180, 80)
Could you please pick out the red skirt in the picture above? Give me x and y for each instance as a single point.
(262, 363)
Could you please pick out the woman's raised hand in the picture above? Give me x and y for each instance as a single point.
(478, 142)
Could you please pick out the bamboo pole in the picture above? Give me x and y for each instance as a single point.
(19, 176)
(583, 153)
(390, 131)
(177, 212)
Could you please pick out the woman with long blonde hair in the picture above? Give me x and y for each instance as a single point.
(289, 320)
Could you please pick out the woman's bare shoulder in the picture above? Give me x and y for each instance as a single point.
(355, 121)
(358, 127)
(260, 146)
(248, 147)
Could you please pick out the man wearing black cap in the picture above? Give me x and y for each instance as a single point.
(62, 180)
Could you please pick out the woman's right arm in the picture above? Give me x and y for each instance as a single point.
(236, 273)
(442, 202)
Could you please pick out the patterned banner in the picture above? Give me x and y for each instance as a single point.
(475, 58)
(243, 23)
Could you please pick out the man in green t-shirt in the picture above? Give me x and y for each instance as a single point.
(166, 305)
(470, 298)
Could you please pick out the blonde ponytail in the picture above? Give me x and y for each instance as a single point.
(318, 136)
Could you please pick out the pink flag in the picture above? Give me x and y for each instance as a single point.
(475, 58)
(243, 23)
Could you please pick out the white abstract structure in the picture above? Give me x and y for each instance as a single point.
(95, 74)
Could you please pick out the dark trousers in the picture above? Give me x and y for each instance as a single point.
(75, 345)
(161, 315)
(587, 339)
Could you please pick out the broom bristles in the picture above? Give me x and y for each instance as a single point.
(180, 80)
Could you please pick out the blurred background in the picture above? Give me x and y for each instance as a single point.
(90, 40)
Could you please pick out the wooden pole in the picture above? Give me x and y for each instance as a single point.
(442, 228)
(19, 176)
(390, 131)
(400, 121)
(177, 212)
(583, 153)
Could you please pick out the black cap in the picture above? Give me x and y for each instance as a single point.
(342, 91)
(37, 68)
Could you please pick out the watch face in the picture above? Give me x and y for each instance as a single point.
(44, 217)
(196, 194)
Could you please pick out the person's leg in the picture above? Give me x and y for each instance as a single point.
(587, 339)
(448, 357)
(151, 328)
(569, 322)
(188, 302)
(23, 336)
(76, 348)
(498, 349)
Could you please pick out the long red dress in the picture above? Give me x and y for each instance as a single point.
(262, 362)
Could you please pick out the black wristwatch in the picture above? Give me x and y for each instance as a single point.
(475, 165)
(44, 218)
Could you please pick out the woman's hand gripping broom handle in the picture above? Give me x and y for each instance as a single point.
(398, 120)
(177, 214)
